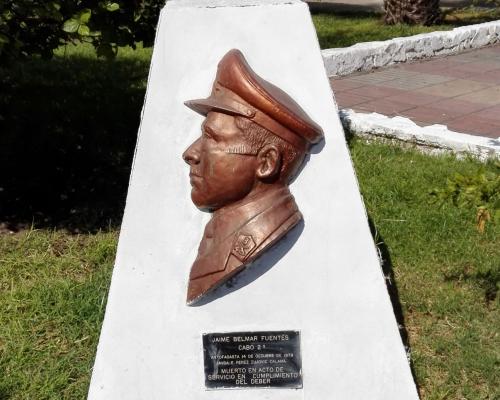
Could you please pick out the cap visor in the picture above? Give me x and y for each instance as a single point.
(204, 106)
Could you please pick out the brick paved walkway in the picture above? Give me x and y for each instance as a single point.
(460, 91)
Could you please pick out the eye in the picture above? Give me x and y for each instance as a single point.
(208, 133)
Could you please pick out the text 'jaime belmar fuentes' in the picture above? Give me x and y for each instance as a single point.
(254, 338)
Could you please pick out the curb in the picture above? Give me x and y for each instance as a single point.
(431, 139)
(370, 55)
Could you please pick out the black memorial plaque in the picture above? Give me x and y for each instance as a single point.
(252, 360)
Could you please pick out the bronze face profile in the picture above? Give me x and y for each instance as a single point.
(254, 139)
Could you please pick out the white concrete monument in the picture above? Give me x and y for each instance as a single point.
(317, 299)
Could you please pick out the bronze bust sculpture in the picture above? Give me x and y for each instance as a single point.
(254, 139)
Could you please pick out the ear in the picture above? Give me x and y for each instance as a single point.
(268, 162)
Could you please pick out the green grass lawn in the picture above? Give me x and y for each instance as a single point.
(445, 274)
(342, 30)
(346, 30)
(53, 289)
(68, 128)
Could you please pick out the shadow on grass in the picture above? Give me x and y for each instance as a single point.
(488, 281)
(468, 16)
(392, 288)
(455, 16)
(68, 128)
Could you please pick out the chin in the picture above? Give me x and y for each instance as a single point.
(213, 203)
(196, 201)
(199, 202)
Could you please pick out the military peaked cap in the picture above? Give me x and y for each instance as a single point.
(239, 91)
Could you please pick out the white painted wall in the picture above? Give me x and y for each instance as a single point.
(329, 285)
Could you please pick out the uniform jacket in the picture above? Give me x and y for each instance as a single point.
(238, 234)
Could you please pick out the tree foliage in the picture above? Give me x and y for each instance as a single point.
(423, 12)
(38, 26)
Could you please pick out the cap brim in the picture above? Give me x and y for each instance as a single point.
(204, 106)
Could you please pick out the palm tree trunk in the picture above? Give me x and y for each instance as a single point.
(424, 12)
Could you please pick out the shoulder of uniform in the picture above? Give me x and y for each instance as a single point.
(255, 232)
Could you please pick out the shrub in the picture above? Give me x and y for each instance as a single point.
(38, 27)
(479, 191)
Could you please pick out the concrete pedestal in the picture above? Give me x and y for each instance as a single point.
(325, 280)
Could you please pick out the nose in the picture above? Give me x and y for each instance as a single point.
(192, 154)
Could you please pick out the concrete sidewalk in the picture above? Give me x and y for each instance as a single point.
(460, 91)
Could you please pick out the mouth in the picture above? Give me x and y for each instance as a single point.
(193, 177)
